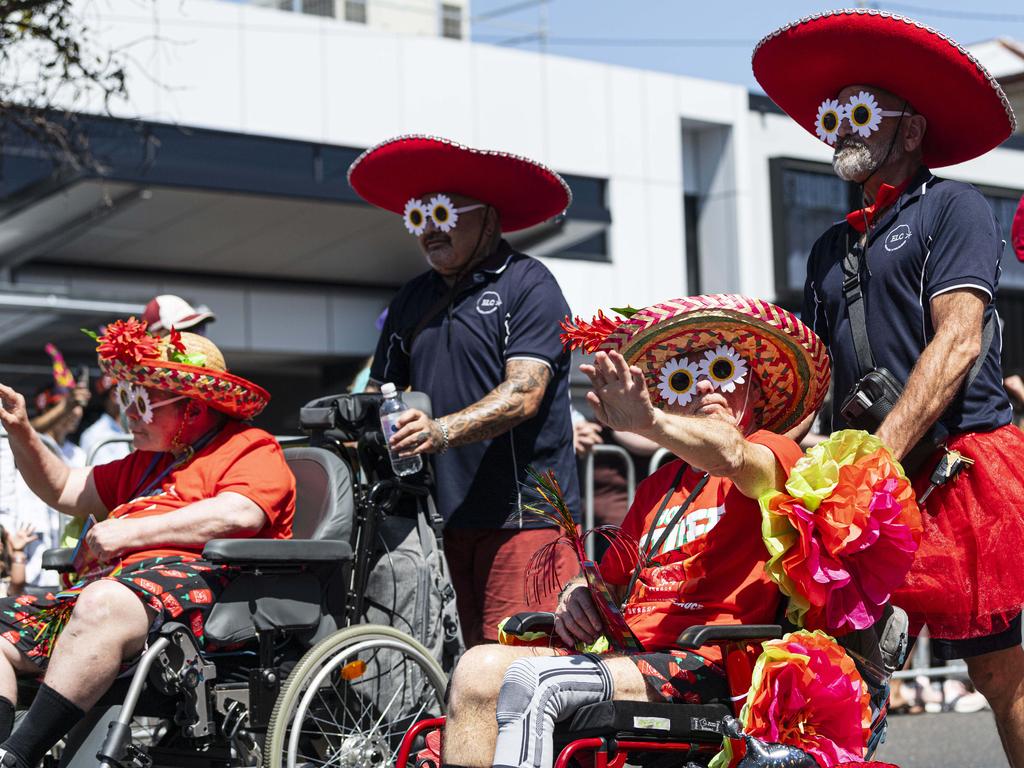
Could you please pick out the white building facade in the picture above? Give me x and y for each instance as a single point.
(683, 185)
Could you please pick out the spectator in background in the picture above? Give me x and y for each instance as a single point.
(478, 333)
(107, 426)
(1017, 231)
(611, 487)
(169, 311)
(57, 415)
(13, 559)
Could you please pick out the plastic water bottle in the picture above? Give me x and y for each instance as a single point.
(391, 407)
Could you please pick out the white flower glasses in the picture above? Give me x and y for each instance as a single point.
(861, 110)
(440, 210)
(723, 366)
(132, 395)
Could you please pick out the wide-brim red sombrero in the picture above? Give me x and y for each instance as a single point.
(810, 60)
(127, 353)
(522, 191)
(788, 359)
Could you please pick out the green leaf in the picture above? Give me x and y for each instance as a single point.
(91, 334)
(626, 311)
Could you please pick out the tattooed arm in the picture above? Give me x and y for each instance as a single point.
(512, 402)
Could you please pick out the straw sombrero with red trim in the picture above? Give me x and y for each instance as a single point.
(522, 191)
(813, 59)
(788, 359)
(182, 363)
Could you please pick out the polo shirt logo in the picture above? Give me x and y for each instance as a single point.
(897, 237)
(488, 302)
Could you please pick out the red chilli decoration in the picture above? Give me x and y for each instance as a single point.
(578, 333)
(128, 342)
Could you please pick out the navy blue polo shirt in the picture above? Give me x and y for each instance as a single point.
(510, 310)
(940, 236)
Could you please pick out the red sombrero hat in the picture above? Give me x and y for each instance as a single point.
(523, 191)
(788, 359)
(182, 363)
(810, 60)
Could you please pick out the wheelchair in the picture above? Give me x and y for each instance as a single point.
(612, 734)
(298, 680)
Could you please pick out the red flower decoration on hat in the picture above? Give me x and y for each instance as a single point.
(579, 333)
(174, 340)
(128, 342)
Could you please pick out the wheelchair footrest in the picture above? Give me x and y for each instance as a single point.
(645, 719)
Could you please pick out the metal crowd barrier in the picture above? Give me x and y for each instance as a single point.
(588, 486)
(658, 458)
(112, 440)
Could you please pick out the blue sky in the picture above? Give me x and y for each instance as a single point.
(669, 29)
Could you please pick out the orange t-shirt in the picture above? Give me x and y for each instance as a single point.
(240, 459)
(710, 570)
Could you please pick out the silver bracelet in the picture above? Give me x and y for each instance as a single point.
(444, 434)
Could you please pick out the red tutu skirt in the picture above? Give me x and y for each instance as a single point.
(968, 577)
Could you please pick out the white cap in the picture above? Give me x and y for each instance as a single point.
(388, 389)
(168, 311)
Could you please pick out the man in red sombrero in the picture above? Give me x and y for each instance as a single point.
(198, 472)
(903, 293)
(716, 380)
(478, 333)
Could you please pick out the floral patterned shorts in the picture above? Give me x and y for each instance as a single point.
(178, 589)
(681, 676)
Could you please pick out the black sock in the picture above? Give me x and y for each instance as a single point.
(47, 721)
(6, 719)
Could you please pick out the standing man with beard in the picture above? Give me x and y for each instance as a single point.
(478, 332)
(903, 293)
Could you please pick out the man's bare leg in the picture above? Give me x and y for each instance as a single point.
(999, 676)
(12, 664)
(109, 624)
(471, 729)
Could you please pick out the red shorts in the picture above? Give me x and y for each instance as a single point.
(967, 580)
(489, 573)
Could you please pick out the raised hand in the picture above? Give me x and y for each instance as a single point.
(13, 413)
(619, 396)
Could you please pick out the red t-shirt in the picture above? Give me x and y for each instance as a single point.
(711, 567)
(240, 459)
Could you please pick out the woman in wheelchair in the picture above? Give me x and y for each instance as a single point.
(717, 380)
(198, 472)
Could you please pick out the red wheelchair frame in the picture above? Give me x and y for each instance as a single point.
(740, 646)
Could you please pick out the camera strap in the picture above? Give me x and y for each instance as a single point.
(854, 296)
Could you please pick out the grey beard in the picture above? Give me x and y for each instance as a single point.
(856, 161)
(853, 162)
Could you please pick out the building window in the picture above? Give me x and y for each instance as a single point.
(355, 10)
(807, 199)
(318, 7)
(451, 21)
(691, 219)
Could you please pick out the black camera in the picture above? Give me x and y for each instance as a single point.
(871, 399)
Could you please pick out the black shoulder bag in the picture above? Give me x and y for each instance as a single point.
(877, 389)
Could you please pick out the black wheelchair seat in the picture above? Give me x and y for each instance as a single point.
(648, 719)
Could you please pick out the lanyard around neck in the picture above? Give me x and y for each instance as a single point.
(647, 557)
(192, 450)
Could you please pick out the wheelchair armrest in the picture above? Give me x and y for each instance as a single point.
(58, 560)
(276, 551)
(530, 621)
(700, 635)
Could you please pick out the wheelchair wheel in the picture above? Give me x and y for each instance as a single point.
(351, 698)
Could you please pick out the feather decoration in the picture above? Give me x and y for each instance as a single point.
(62, 375)
(542, 570)
(578, 333)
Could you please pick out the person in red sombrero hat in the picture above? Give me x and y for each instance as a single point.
(198, 472)
(478, 333)
(903, 293)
